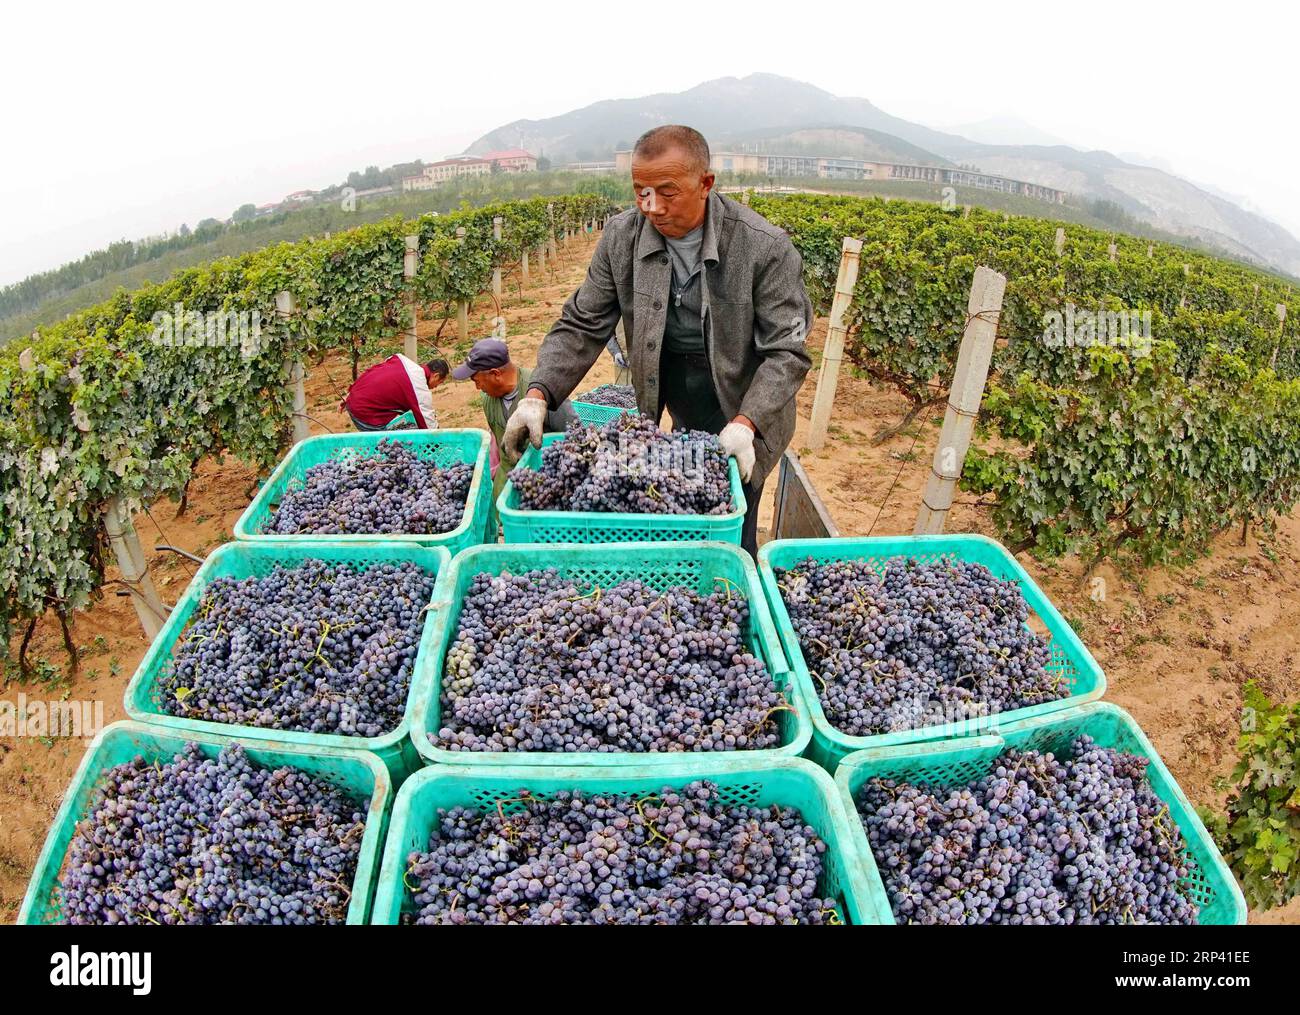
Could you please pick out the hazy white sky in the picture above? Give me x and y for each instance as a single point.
(126, 119)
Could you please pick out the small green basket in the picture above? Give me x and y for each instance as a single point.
(662, 566)
(954, 762)
(1070, 659)
(591, 413)
(789, 782)
(521, 526)
(357, 772)
(257, 559)
(442, 447)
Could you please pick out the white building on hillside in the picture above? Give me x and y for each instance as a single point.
(438, 173)
(513, 160)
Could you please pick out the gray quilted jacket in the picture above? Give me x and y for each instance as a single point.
(756, 316)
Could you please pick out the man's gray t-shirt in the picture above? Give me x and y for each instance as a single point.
(683, 332)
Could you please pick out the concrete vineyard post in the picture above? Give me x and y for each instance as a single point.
(462, 306)
(1151, 250)
(550, 245)
(410, 264)
(964, 397)
(1060, 241)
(1114, 253)
(829, 375)
(285, 308)
(523, 270)
(496, 272)
(130, 561)
(1280, 310)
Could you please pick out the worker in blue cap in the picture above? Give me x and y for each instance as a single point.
(503, 383)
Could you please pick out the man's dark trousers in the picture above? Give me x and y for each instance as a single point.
(686, 390)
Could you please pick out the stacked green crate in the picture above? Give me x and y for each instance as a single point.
(788, 782)
(955, 762)
(1069, 658)
(257, 559)
(701, 567)
(442, 447)
(521, 526)
(360, 774)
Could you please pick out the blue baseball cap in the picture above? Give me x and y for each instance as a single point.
(487, 354)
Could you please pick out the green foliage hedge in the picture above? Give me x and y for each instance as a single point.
(94, 407)
(1100, 448)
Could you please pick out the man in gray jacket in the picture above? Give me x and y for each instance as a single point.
(712, 300)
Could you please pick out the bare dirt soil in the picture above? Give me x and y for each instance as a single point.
(1176, 645)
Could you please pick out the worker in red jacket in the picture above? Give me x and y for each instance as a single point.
(397, 385)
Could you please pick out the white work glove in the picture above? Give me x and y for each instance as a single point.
(737, 440)
(525, 424)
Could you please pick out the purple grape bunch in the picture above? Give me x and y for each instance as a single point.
(211, 840)
(1040, 839)
(317, 648)
(628, 465)
(616, 396)
(539, 663)
(388, 489)
(918, 644)
(678, 856)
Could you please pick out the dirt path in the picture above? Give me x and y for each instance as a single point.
(1176, 645)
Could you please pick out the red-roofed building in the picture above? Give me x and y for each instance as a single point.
(438, 173)
(513, 160)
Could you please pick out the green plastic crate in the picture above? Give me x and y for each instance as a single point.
(443, 447)
(358, 772)
(522, 526)
(246, 560)
(791, 782)
(591, 413)
(661, 566)
(1209, 882)
(1069, 658)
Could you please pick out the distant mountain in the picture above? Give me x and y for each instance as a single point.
(1153, 195)
(847, 142)
(764, 109)
(1006, 130)
(1150, 161)
(725, 106)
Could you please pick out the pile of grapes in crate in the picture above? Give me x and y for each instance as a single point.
(540, 662)
(316, 648)
(387, 489)
(917, 644)
(678, 856)
(205, 840)
(628, 465)
(1040, 839)
(616, 396)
